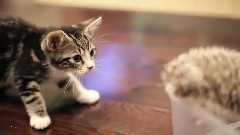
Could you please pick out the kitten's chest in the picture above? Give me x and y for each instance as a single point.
(54, 79)
(51, 91)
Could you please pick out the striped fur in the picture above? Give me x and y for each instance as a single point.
(32, 57)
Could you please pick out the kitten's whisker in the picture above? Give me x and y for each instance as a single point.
(97, 35)
(73, 88)
(65, 88)
(76, 73)
(81, 79)
(101, 41)
(96, 43)
(79, 76)
(105, 41)
(97, 66)
(98, 46)
(101, 36)
(98, 70)
(99, 61)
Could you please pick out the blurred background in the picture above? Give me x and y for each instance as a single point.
(140, 25)
(149, 13)
(136, 39)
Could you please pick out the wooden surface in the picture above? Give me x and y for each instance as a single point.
(212, 8)
(133, 101)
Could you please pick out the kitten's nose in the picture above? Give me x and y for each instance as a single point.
(89, 68)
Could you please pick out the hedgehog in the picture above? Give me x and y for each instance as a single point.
(206, 80)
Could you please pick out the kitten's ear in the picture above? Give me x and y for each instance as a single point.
(56, 40)
(91, 25)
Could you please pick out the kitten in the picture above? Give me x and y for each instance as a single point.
(206, 80)
(33, 58)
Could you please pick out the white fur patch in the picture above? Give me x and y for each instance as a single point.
(82, 94)
(89, 97)
(34, 57)
(88, 62)
(32, 84)
(39, 122)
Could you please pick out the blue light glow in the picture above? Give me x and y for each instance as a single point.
(111, 74)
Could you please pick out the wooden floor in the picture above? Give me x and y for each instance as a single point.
(128, 77)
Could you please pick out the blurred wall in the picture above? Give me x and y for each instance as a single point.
(117, 20)
(28, 10)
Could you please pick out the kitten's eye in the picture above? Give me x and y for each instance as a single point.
(77, 58)
(91, 52)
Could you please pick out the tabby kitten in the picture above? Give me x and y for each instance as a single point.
(207, 79)
(32, 58)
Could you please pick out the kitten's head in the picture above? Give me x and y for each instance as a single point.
(71, 48)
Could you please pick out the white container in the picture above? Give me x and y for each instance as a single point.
(184, 124)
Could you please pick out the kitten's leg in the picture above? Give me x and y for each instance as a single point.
(80, 93)
(34, 103)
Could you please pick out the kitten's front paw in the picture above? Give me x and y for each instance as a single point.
(38, 122)
(89, 97)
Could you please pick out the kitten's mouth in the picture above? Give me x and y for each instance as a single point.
(82, 71)
(77, 71)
